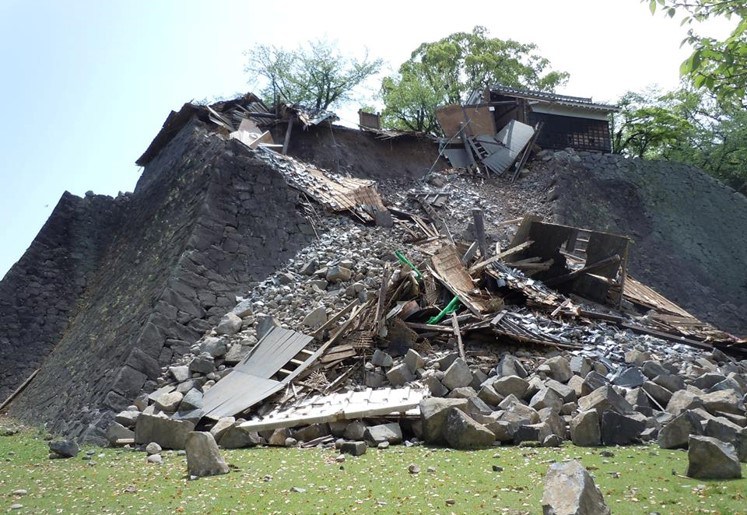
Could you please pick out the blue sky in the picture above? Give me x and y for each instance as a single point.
(87, 83)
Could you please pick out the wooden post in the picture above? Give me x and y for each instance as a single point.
(480, 232)
(458, 334)
(286, 141)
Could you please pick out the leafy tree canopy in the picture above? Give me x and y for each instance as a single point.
(687, 125)
(316, 75)
(448, 70)
(717, 65)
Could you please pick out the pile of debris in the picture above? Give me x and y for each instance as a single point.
(405, 332)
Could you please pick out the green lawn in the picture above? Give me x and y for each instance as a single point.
(266, 480)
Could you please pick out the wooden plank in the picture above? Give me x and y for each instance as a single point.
(429, 327)
(479, 221)
(329, 323)
(667, 336)
(19, 389)
(458, 334)
(588, 268)
(512, 250)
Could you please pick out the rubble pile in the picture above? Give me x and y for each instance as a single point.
(436, 330)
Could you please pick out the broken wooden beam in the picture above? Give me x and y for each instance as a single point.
(513, 250)
(588, 268)
(19, 389)
(479, 221)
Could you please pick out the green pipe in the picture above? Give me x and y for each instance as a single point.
(402, 259)
(448, 310)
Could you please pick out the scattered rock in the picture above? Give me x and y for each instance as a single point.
(463, 432)
(570, 490)
(63, 449)
(391, 433)
(316, 317)
(153, 448)
(457, 375)
(709, 458)
(354, 448)
(229, 324)
(203, 455)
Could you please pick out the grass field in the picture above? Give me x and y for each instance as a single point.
(269, 480)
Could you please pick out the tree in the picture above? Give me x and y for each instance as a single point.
(719, 66)
(448, 70)
(687, 125)
(649, 124)
(316, 76)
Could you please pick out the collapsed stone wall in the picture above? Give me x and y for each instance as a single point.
(205, 220)
(686, 226)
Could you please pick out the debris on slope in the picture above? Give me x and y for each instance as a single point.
(380, 334)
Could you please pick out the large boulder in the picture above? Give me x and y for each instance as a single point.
(709, 458)
(203, 455)
(433, 412)
(236, 437)
(604, 398)
(457, 375)
(676, 433)
(546, 398)
(117, 431)
(63, 449)
(729, 432)
(463, 432)
(586, 429)
(570, 490)
(169, 434)
(726, 401)
(508, 385)
(558, 368)
(391, 433)
(621, 428)
(683, 400)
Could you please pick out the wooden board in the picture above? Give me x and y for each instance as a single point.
(477, 119)
(341, 406)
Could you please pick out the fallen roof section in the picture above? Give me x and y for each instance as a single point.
(250, 382)
(338, 193)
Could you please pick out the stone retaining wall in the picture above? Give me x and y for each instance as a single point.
(205, 220)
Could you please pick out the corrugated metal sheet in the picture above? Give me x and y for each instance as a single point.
(499, 152)
(250, 381)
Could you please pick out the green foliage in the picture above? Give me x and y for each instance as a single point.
(448, 70)
(317, 75)
(648, 124)
(636, 480)
(688, 126)
(719, 66)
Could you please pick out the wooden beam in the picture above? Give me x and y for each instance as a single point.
(19, 389)
(458, 334)
(513, 250)
(588, 268)
(479, 220)
(286, 141)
